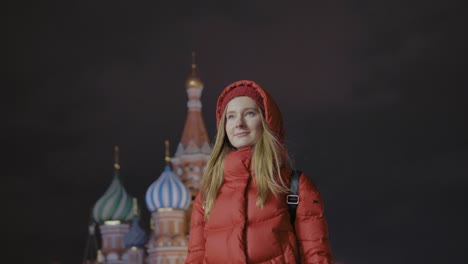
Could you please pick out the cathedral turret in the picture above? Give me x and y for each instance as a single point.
(167, 198)
(115, 205)
(167, 191)
(194, 148)
(113, 211)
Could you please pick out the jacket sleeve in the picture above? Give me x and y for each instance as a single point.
(196, 243)
(311, 225)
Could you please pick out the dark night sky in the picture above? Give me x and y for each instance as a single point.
(373, 93)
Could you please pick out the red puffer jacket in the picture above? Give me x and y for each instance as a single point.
(238, 231)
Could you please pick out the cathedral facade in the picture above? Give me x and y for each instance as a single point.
(169, 200)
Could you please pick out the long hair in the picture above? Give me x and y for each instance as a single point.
(269, 156)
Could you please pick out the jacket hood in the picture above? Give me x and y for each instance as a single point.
(272, 114)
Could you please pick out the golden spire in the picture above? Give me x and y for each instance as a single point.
(167, 158)
(116, 159)
(135, 207)
(194, 64)
(193, 81)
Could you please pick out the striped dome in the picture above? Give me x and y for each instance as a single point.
(115, 204)
(136, 236)
(167, 192)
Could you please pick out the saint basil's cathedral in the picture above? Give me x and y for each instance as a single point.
(169, 198)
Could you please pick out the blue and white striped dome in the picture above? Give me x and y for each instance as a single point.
(167, 192)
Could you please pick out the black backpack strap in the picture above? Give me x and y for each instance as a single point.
(293, 197)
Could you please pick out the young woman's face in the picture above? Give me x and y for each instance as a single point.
(243, 122)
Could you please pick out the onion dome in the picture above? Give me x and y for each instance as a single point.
(136, 236)
(193, 81)
(116, 204)
(167, 191)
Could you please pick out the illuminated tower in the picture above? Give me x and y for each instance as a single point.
(194, 148)
(113, 211)
(167, 199)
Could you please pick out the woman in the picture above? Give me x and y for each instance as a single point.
(240, 214)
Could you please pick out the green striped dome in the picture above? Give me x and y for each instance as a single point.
(115, 204)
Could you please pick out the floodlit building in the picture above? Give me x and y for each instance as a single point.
(169, 199)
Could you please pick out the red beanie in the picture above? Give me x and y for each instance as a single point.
(243, 91)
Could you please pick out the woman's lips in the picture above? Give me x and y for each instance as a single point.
(241, 134)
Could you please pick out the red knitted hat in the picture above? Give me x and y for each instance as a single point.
(243, 91)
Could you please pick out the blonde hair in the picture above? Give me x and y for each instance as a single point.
(269, 156)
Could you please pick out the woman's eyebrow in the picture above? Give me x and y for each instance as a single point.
(243, 109)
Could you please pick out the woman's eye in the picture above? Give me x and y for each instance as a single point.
(250, 113)
(230, 116)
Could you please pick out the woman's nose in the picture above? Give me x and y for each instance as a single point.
(240, 122)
